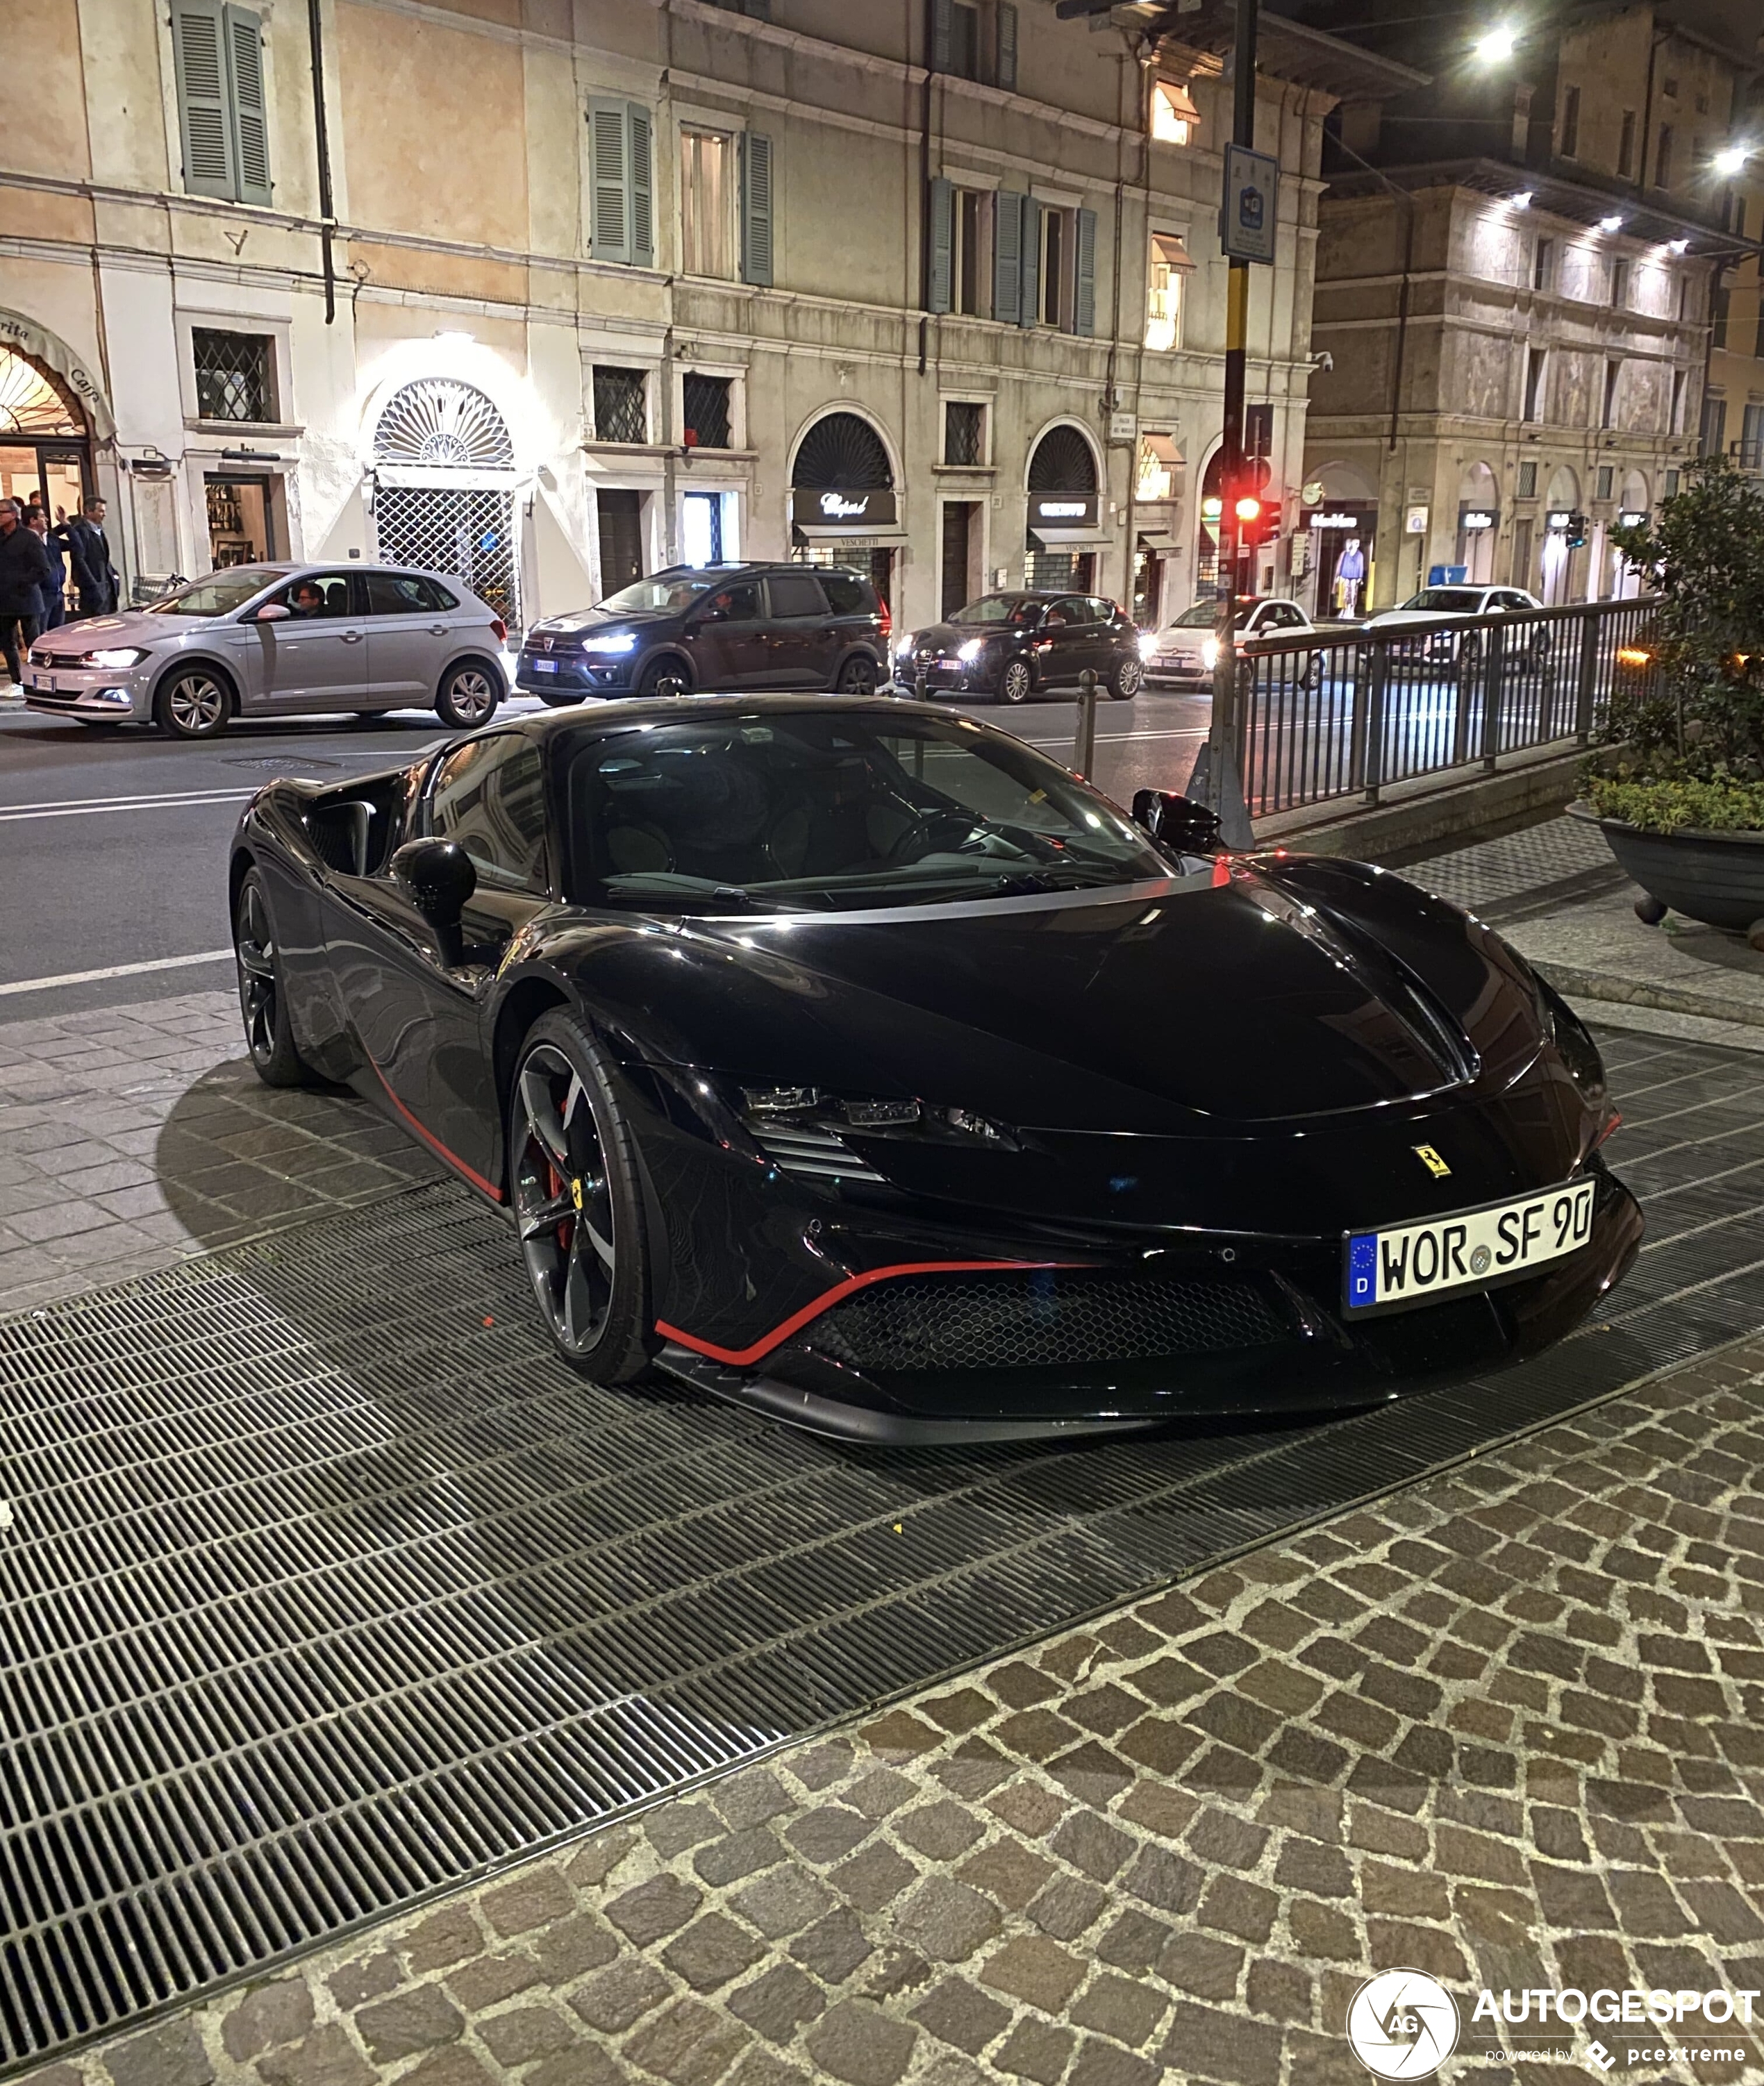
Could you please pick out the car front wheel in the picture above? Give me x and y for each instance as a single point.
(1125, 681)
(275, 1057)
(572, 1183)
(468, 696)
(1015, 682)
(192, 703)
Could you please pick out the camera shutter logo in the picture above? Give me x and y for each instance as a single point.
(1402, 2024)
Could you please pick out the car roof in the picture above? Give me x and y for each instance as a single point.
(684, 710)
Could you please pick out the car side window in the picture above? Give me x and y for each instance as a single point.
(739, 603)
(795, 594)
(399, 593)
(1076, 610)
(437, 596)
(847, 594)
(1101, 611)
(488, 795)
(331, 590)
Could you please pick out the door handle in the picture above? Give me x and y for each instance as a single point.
(437, 630)
(352, 636)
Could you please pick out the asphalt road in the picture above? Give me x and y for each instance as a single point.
(113, 843)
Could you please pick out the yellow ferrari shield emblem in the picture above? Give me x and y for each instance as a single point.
(575, 1192)
(1430, 1159)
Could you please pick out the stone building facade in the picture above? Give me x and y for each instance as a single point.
(1520, 331)
(552, 291)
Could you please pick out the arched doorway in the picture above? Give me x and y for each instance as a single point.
(1632, 511)
(1479, 523)
(444, 488)
(844, 507)
(1065, 512)
(45, 445)
(1561, 514)
(1340, 511)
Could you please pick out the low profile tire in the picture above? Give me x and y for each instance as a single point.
(1016, 681)
(1650, 912)
(1127, 680)
(263, 996)
(858, 676)
(468, 696)
(192, 703)
(572, 1182)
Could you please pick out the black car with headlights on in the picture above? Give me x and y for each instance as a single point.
(723, 626)
(1011, 646)
(853, 1060)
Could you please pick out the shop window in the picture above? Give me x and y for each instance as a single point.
(621, 211)
(965, 432)
(234, 376)
(217, 53)
(1164, 295)
(621, 404)
(704, 416)
(707, 529)
(1174, 113)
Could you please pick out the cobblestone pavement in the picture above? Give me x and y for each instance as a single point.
(1542, 866)
(140, 1136)
(1504, 1728)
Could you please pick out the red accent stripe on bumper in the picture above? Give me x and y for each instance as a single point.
(745, 1357)
(484, 1187)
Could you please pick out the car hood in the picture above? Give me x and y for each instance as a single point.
(1199, 1005)
(1392, 618)
(95, 633)
(952, 636)
(596, 621)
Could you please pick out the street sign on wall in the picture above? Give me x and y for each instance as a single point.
(1246, 221)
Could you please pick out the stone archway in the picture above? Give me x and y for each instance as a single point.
(444, 488)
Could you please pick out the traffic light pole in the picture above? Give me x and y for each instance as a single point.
(1223, 785)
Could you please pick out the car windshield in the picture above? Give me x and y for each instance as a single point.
(220, 594)
(666, 595)
(998, 608)
(1205, 613)
(822, 812)
(1446, 600)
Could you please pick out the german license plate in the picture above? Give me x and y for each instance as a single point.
(1466, 1249)
(544, 666)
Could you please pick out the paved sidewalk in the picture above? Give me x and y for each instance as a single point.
(1505, 1728)
(137, 1137)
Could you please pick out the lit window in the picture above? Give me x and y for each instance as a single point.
(1173, 115)
(1164, 299)
(706, 203)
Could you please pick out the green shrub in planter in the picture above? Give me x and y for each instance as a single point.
(1718, 805)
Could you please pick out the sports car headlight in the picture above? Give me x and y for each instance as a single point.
(971, 651)
(623, 640)
(802, 1105)
(122, 655)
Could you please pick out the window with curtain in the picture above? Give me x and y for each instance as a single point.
(1163, 297)
(707, 203)
(1174, 113)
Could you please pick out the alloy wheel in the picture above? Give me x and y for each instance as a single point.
(562, 1198)
(469, 695)
(254, 946)
(1127, 678)
(857, 677)
(195, 704)
(1014, 683)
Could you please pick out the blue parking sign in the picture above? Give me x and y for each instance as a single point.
(1248, 219)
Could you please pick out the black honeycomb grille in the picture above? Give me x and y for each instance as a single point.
(1039, 1317)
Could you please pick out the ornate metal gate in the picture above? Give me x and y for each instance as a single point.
(444, 489)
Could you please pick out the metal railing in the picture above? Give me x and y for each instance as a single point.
(1332, 715)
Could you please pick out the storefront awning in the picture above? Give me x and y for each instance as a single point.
(1158, 539)
(1070, 539)
(818, 532)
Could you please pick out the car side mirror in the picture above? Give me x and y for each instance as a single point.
(1176, 821)
(713, 616)
(272, 611)
(438, 878)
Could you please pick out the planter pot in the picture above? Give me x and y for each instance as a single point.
(1716, 877)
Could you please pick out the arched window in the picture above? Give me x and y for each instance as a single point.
(839, 451)
(44, 446)
(1063, 462)
(444, 488)
(439, 420)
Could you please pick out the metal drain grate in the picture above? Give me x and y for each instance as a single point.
(327, 1587)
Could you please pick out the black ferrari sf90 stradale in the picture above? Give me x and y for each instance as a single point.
(851, 1059)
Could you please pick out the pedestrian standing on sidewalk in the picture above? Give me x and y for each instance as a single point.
(24, 577)
(55, 594)
(88, 552)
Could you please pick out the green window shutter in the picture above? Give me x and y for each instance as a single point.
(1084, 315)
(1007, 69)
(1028, 308)
(609, 214)
(641, 205)
(1008, 256)
(942, 26)
(205, 119)
(251, 125)
(941, 295)
(755, 209)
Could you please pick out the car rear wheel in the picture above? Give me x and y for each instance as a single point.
(1015, 682)
(572, 1183)
(1125, 682)
(192, 703)
(658, 670)
(468, 696)
(858, 676)
(276, 1057)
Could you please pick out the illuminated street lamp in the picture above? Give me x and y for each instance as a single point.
(1731, 160)
(1498, 44)
(1610, 224)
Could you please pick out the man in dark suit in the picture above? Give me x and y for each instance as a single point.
(25, 575)
(88, 552)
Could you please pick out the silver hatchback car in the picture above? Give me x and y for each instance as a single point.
(277, 640)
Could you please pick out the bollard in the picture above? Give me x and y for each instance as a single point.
(1084, 751)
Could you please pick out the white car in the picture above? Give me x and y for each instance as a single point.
(1423, 612)
(1184, 652)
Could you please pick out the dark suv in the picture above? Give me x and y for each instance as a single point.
(722, 628)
